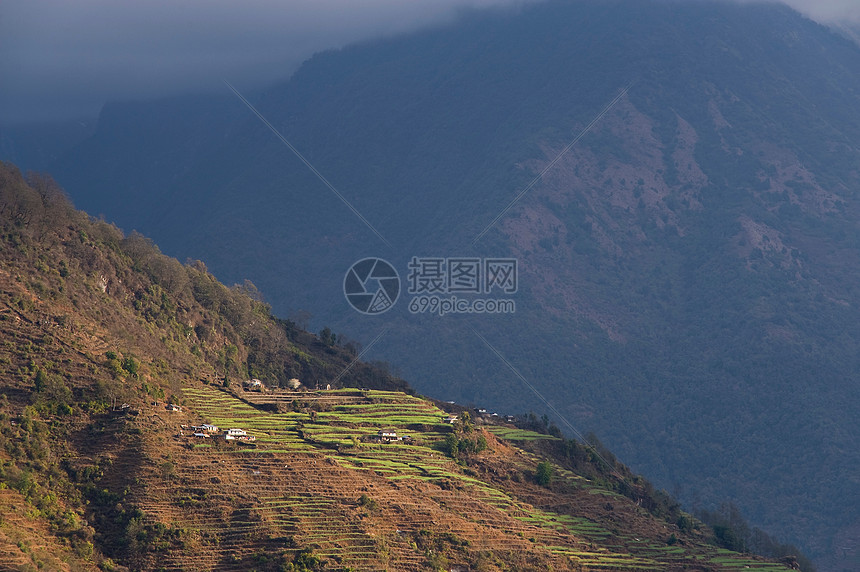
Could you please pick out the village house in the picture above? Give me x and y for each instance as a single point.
(172, 407)
(231, 434)
(451, 419)
(237, 435)
(254, 385)
(388, 435)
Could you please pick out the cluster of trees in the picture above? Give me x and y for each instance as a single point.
(128, 366)
(51, 394)
(457, 446)
(463, 440)
(733, 532)
(229, 327)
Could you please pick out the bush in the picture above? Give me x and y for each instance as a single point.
(544, 473)
(481, 444)
(84, 549)
(115, 367)
(367, 502)
(304, 561)
(685, 523)
(451, 446)
(131, 365)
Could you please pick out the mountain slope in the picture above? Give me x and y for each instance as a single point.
(112, 352)
(687, 268)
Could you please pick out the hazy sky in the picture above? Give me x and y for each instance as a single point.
(61, 58)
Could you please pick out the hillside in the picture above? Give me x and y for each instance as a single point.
(688, 268)
(103, 337)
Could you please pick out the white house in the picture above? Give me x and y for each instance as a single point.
(231, 434)
(206, 428)
(388, 435)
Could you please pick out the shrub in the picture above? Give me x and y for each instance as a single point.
(481, 444)
(115, 367)
(367, 502)
(544, 473)
(304, 561)
(131, 365)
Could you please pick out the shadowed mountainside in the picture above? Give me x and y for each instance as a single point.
(688, 268)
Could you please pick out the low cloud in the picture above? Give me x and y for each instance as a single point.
(60, 58)
(828, 11)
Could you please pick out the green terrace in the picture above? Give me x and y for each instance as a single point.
(514, 434)
(338, 426)
(566, 523)
(225, 411)
(729, 560)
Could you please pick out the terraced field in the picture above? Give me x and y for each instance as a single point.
(514, 434)
(309, 481)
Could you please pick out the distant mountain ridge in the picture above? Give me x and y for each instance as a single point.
(687, 267)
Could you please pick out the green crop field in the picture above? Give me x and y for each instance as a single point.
(514, 434)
